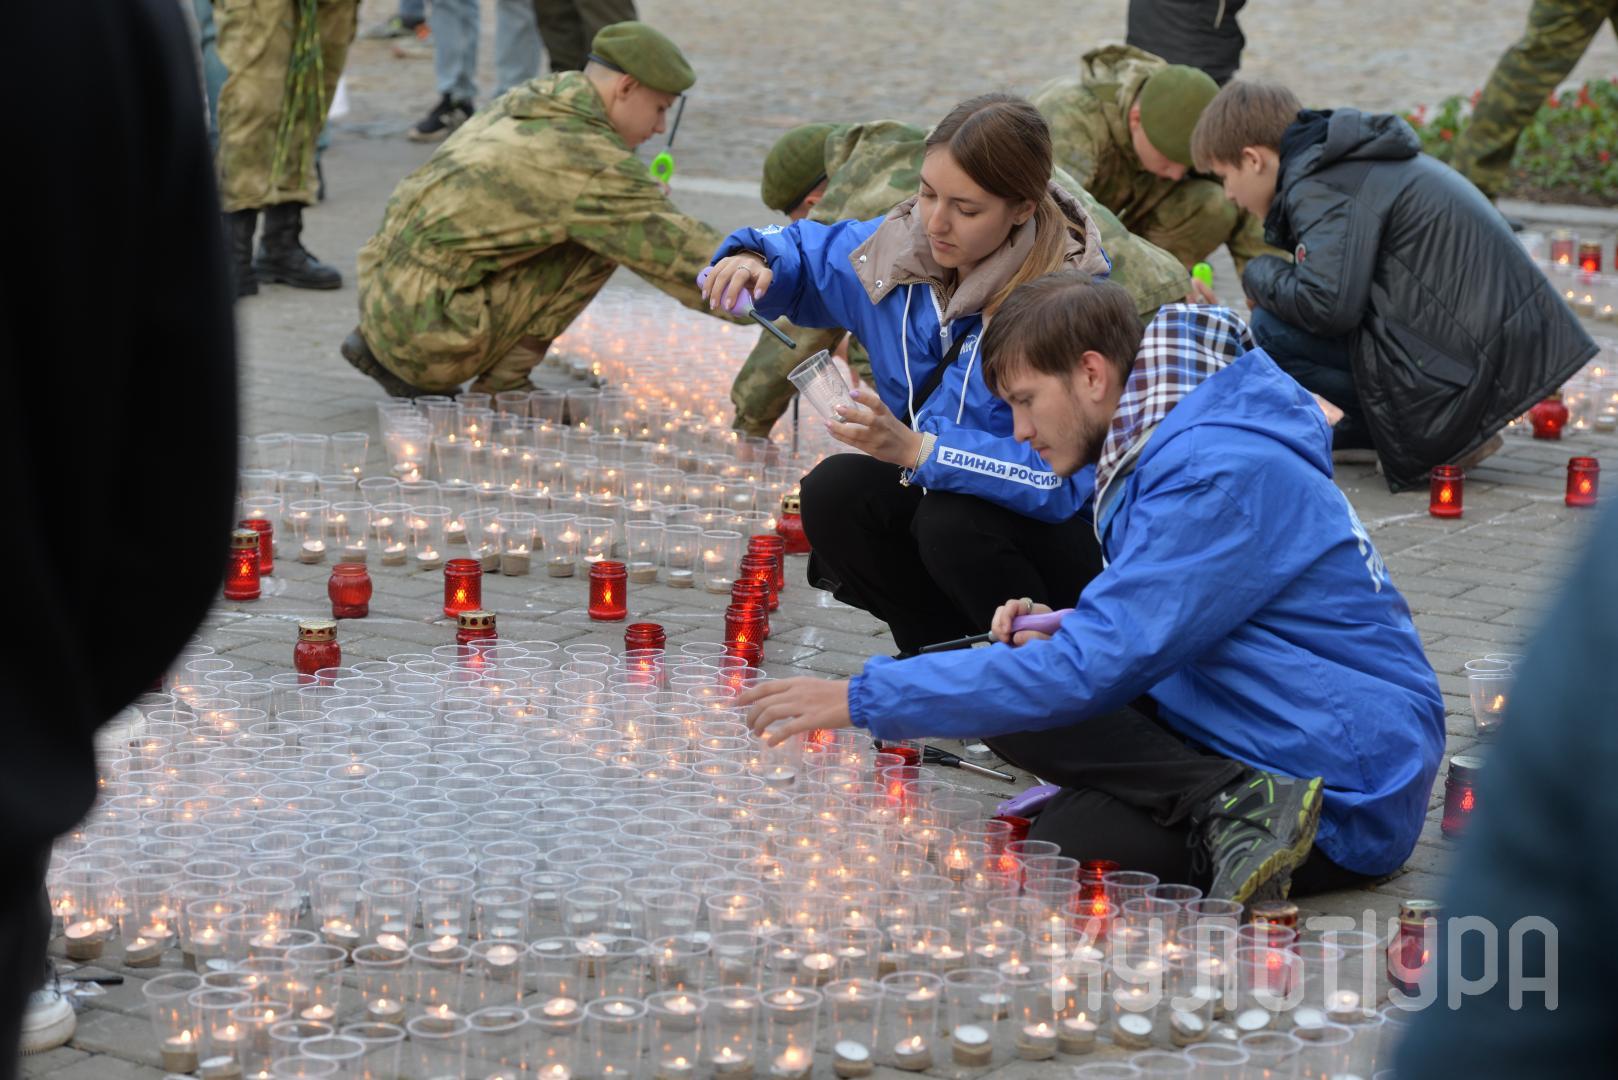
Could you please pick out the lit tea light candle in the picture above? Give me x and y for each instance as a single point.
(429, 558)
(502, 958)
(560, 1008)
(455, 532)
(793, 1063)
(819, 966)
(554, 1071)
(444, 946)
(180, 1053)
(221, 1067)
(618, 1009)
(319, 1012)
(392, 942)
(728, 1062)
(1076, 1034)
(312, 551)
(1345, 1007)
(1036, 1042)
(385, 1010)
(913, 1054)
(675, 1068)
(83, 940)
(393, 555)
(514, 562)
(340, 933)
(851, 1059)
(970, 1046)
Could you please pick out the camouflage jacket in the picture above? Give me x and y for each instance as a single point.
(537, 169)
(1089, 118)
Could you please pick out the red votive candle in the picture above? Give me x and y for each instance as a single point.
(759, 567)
(1548, 418)
(1445, 498)
(1590, 256)
(1413, 949)
(349, 588)
(755, 592)
(317, 646)
(1562, 250)
(908, 753)
(644, 635)
(750, 651)
(1583, 477)
(775, 547)
(473, 626)
(744, 624)
(790, 527)
(608, 585)
(1460, 792)
(242, 573)
(266, 542)
(463, 586)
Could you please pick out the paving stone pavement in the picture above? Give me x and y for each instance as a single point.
(1475, 585)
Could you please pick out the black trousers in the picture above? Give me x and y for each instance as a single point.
(25, 924)
(1131, 787)
(933, 566)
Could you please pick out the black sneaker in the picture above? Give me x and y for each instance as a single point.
(445, 117)
(1253, 834)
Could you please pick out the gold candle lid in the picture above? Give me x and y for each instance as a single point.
(317, 630)
(1418, 911)
(244, 539)
(476, 620)
(791, 503)
(1279, 912)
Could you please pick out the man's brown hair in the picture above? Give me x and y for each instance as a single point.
(1048, 323)
(1242, 114)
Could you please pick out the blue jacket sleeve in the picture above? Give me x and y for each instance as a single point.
(814, 284)
(1002, 470)
(1191, 568)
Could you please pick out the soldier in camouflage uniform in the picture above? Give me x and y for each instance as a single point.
(492, 247)
(828, 173)
(1122, 128)
(255, 46)
(1558, 33)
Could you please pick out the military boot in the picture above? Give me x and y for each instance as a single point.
(282, 258)
(359, 354)
(239, 226)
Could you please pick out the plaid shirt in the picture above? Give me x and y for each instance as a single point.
(1183, 345)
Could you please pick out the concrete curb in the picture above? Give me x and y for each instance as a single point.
(1576, 217)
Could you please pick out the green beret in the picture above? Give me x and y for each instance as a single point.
(1170, 104)
(795, 164)
(636, 49)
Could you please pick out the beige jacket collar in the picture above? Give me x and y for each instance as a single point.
(898, 254)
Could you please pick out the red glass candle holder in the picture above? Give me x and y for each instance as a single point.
(790, 527)
(1460, 792)
(908, 753)
(242, 574)
(1444, 499)
(266, 542)
(1562, 249)
(761, 568)
(463, 586)
(1413, 949)
(775, 547)
(473, 626)
(644, 635)
(1583, 477)
(750, 651)
(744, 625)
(1590, 256)
(1548, 418)
(349, 588)
(317, 646)
(609, 581)
(754, 591)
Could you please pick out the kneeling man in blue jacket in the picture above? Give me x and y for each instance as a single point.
(1242, 685)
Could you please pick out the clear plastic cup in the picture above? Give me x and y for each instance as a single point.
(821, 384)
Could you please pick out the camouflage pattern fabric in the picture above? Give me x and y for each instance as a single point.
(870, 168)
(1089, 118)
(255, 46)
(508, 230)
(1558, 33)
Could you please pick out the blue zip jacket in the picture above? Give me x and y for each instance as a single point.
(815, 285)
(1243, 594)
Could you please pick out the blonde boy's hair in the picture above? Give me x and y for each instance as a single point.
(1240, 115)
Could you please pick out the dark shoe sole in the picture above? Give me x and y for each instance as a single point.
(361, 359)
(1271, 877)
(323, 284)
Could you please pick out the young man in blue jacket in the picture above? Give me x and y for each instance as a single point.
(1242, 603)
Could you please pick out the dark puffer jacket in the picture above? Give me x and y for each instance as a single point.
(1456, 330)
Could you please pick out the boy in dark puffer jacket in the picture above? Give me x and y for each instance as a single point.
(1409, 305)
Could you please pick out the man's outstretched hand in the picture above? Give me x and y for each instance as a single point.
(776, 711)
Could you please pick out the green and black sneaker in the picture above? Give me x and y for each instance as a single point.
(1255, 833)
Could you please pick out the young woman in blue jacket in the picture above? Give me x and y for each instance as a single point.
(943, 514)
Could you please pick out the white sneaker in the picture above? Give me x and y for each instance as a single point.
(49, 1022)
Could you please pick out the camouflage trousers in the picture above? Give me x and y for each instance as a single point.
(569, 26)
(1558, 33)
(762, 392)
(255, 46)
(430, 333)
(1193, 218)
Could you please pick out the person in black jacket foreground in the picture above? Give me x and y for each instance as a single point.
(1409, 304)
(1535, 876)
(116, 225)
